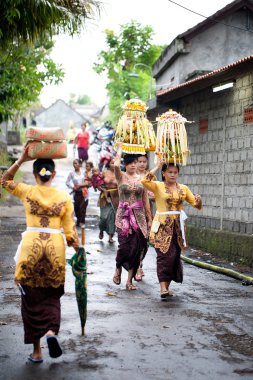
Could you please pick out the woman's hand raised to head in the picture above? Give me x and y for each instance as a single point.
(157, 167)
(161, 163)
(119, 144)
(24, 156)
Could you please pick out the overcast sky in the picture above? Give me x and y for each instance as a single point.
(77, 55)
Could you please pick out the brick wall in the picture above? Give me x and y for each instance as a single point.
(221, 164)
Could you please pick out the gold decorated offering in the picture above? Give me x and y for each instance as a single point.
(134, 129)
(171, 141)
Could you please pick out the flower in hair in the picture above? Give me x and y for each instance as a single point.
(44, 172)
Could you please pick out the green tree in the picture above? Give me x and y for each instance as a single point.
(83, 99)
(26, 30)
(79, 99)
(23, 73)
(26, 20)
(132, 45)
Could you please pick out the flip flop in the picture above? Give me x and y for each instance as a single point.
(117, 279)
(138, 277)
(53, 346)
(166, 293)
(31, 360)
(130, 287)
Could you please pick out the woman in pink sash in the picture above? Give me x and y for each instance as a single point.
(133, 219)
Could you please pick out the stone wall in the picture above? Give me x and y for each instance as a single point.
(220, 167)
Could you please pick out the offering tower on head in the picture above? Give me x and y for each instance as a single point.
(171, 141)
(134, 129)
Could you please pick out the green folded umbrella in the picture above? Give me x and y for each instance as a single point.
(79, 270)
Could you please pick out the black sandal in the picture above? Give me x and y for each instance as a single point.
(53, 346)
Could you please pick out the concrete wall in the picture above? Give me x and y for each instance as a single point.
(211, 49)
(220, 167)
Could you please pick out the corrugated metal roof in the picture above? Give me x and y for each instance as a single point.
(205, 76)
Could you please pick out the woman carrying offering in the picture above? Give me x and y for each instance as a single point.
(40, 259)
(108, 202)
(167, 231)
(133, 218)
(76, 182)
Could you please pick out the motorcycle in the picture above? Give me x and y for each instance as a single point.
(103, 143)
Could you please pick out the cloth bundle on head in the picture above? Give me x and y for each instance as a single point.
(171, 141)
(134, 129)
(46, 143)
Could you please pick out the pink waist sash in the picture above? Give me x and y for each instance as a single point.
(128, 216)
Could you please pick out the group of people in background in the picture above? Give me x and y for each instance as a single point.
(127, 201)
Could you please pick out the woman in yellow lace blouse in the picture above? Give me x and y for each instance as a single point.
(167, 231)
(40, 259)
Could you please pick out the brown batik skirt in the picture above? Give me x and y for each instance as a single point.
(41, 311)
(169, 265)
(131, 250)
(80, 206)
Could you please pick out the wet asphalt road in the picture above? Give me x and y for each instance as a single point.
(205, 331)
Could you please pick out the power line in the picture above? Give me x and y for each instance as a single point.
(210, 18)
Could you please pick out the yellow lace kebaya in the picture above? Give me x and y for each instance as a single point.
(42, 261)
(167, 200)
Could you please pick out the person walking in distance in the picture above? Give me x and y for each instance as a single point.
(76, 182)
(108, 200)
(82, 142)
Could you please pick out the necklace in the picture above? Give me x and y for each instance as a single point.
(132, 177)
(131, 180)
(172, 188)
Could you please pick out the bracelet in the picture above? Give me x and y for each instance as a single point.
(16, 162)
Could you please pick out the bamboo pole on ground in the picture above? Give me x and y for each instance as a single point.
(229, 272)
